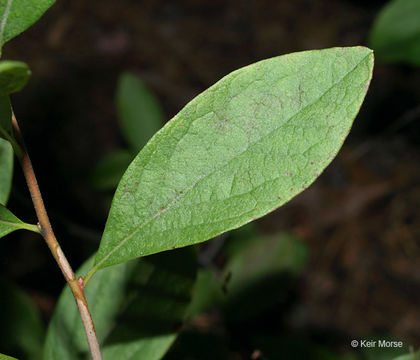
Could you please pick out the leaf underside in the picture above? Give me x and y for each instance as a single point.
(239, 150)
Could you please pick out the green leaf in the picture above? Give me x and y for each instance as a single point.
(17, 15)
(395, 35)
(6, 170)
(110, 170)
(139, 112)
(241, 149)
(411, 356)
(136, 308)
(14, 75)
(10, 223)
(21, 328)
(5, 357)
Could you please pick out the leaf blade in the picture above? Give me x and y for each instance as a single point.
(213, 167)
(17, 16)
(10, 223)
(14, 75)
(5, 357)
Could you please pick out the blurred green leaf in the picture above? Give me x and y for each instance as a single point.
(17, 15)
(10, 223)
(137, 308)
(242, 148)
(110, 169)
(262, 256)
(207, 292)
(253, 262)
(411, 356)
(395, 35)
(259, 273)
(139, 112)
(6, 170)
(14, 75)
(22, 331)
(379, 352)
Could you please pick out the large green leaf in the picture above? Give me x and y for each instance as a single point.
(139, 111)
(137, 308)
(13, 76)
(21, 328)
(241, 149)
(6, 170)
(395, 35)
(10, 223)
(17, 15)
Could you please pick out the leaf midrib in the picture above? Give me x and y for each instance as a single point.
(185, 191)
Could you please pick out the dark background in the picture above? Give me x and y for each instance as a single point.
(360, 220)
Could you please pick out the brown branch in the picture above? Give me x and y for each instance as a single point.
(46, 231)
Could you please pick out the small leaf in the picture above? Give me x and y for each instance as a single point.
(10, 223)
(14, 75)
(241, 149)
(17, 15)
(5, 357)
(139, 112)
(395, 35)
(110, 170)
(137, 308)
(6, 170)
(22, 330)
